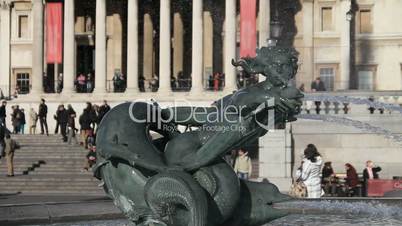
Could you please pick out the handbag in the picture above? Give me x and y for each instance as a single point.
(298, 189)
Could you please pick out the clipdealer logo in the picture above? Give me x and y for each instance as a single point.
(210, 117)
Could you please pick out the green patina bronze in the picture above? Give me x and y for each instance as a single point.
(159, 175)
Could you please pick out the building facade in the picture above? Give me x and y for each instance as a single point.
(350, 44)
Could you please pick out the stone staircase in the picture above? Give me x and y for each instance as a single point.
(46, 165)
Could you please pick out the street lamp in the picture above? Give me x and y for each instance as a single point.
(349, 15)
(276, 28)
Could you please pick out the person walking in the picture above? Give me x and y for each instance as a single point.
(370, 173)
(62, 119)
(43, 117)
(56, 129)
(33, 119)
(2, 141)
(3, 113)
(318, 86)
(16, 119)
(243, 167)
(351, 180)
(85, 123)
(22, 121)
(105, 108)
(10, 147)
(71, 125)
(309, 171)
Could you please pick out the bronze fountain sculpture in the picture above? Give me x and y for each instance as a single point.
(180, 177)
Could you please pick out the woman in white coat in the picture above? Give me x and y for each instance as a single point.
(309, 172)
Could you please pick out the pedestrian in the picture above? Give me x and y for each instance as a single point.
(56, 129)
(22, 121)
(328, 179)
(42, 113)
(90, 159)
(16, 119)
(71, 125)
(318, 86)
(33, 116)
(3, 113)
(105, 108)
(62, 119)
(90, 84)
(85, 123)
(10, 147)
(370, 173)
(309, 171)
(243, 167)
(351, 180)
(2, 142)
(216, 81)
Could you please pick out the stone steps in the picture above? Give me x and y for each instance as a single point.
(53, 167)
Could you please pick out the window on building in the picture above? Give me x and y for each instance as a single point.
(365, 21)
(327, 75)
(23, 83)
(326, 19)
(366, 80)
(23, 26)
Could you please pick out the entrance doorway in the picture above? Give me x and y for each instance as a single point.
(85, 59)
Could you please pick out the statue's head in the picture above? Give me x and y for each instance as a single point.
(279, 60)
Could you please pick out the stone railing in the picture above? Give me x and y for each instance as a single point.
(347, 101)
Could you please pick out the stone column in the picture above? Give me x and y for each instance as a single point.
(264, 22)
(178, 44)
(5, 48)
(308, 51)
(230, 45)
(148, 55)
(132, 47)
(69, 47)
(165, 47)
(37, 47)
(100, 47)
(197, 52)
(344, 26)
(264, 26)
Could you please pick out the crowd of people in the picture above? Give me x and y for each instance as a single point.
(326, 182)
(65, 125)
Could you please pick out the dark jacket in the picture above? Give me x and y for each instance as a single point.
(103, 110)
(352, 180)
(42, 110)
(375, 173)
(62, 116)
(22, 119)
(2, 111)
(85, 120)
(318, 87)
(71, 118)
(326, 173)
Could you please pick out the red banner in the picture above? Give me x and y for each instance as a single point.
(248, 28)
(377, 188)
(54, 34)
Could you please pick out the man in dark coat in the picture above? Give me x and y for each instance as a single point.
(369, 173)
(3, 113)
(62, 119)
(318, 86)
(42, 113)
(105, 108)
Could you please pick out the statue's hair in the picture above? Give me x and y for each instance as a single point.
(272, 51)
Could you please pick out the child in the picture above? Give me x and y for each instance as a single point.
(90, 158)
(243, 166)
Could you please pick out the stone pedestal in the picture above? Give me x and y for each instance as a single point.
(275, 157)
